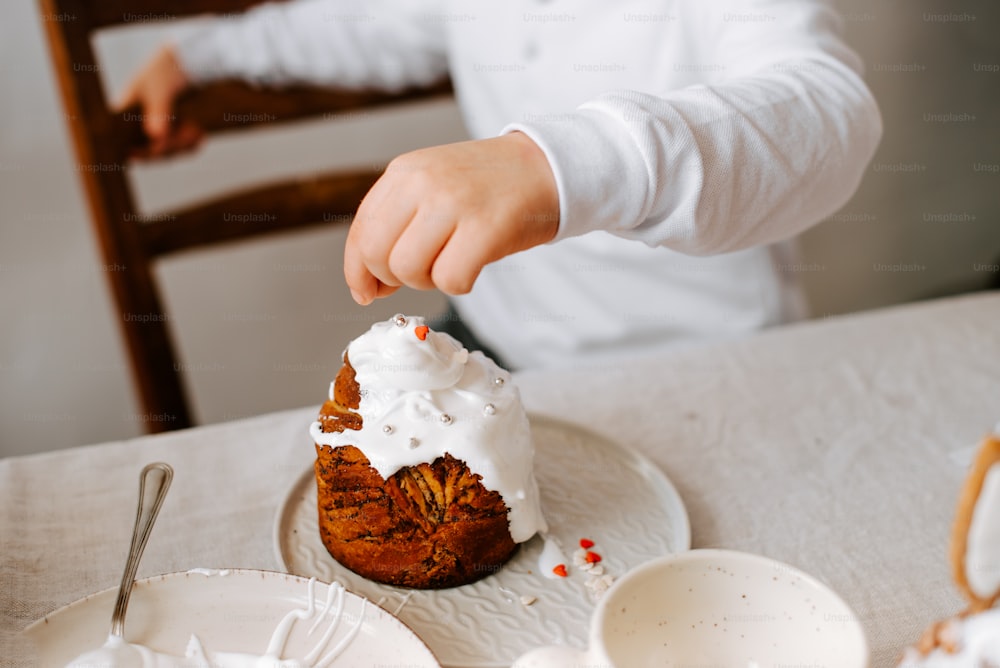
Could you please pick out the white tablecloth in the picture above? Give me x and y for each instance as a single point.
(837, 446)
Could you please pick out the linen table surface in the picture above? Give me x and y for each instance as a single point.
(837, 446)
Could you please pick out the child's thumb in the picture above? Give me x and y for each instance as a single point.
(157, 114)
(125, 100)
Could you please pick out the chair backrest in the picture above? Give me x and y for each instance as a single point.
(103, 140)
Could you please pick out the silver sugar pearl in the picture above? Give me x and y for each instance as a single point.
(446, 419)
(387, 429)
(399, 319)
(498, 381)
(413, 442)
(490, 409)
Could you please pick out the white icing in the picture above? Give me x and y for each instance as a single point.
(210, 572)
(421, 399)
(982, 552)
(551, 556)
(977, 644)
(117, 653)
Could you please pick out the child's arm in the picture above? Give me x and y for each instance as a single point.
(772, 144)
(776, 137)
(381, 44)
(439, 215)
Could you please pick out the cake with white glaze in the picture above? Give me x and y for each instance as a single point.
(424, 460)
(971, 639)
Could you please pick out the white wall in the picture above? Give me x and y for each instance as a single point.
(261, 325)
(926, 220)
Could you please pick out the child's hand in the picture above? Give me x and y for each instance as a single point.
(153, 89)
(437, 216)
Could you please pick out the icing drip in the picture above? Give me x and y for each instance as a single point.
(550, 557)
(210, 572)
(424, 395)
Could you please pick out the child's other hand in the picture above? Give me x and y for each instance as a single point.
(437, 216)
(153, 89)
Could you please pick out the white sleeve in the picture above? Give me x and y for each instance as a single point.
(383, 44)
(774, 145)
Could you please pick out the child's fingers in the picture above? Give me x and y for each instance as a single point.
(126, 99)
(375, 263)
(460, 261)
(186, 137)
(362, 283)
(381, 217)
(157, 115)
(437, 217)
(385, 290)
(365, 288)
(412, 257)
(153, 89)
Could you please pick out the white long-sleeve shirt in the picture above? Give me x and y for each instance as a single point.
(690, 141)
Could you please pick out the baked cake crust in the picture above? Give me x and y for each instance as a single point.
(428, 526)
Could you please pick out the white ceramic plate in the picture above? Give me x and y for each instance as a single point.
(590, 488)
(229, 611)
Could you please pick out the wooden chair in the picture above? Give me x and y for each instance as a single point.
(103, 141)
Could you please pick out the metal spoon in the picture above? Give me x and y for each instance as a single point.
(158, 475)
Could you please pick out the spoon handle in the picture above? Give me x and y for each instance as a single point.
(158, 475)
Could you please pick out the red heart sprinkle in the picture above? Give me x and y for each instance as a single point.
(560, 570)
(586, 543)
(592, 557)
(421, 332)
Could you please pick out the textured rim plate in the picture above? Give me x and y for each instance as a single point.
(590, 487)
(230, 611)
